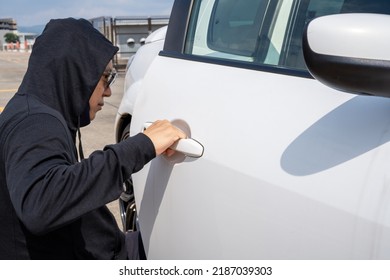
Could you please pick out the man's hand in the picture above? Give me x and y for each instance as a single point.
(163, 135)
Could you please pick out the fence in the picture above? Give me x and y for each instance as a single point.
(128, 33)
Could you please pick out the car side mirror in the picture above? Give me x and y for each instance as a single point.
(350, 52)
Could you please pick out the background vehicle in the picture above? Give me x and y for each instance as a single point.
(291, 169)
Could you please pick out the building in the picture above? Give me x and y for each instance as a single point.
(128, 33)
(7, 25)
(26, 40)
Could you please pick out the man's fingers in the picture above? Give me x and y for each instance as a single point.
(163, 135)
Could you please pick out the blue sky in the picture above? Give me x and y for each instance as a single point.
(38, 12)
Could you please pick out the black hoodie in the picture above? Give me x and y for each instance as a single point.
(51, 205)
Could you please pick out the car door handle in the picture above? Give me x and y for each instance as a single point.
(189, 146)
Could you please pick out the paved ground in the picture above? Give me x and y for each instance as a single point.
(95, 136)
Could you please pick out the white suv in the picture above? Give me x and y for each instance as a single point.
(278, 165)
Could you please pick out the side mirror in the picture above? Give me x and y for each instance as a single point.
(350, 52)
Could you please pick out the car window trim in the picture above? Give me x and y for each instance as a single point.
(237, 64)
(176, 37)
(178, 26)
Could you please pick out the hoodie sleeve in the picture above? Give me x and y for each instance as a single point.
(48, 189)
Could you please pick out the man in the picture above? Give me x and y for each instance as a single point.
(51, 205)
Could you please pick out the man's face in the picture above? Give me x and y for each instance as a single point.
(96, 102)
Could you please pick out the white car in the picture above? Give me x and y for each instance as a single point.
(278, 165)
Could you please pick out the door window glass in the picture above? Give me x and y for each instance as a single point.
(263, 32)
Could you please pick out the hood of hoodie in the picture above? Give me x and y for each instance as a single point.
(65, 66)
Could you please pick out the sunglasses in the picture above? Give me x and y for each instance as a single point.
(110, 77)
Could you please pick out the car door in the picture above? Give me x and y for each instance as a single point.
(289, 169)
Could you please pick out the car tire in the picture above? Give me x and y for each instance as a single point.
(127, 206)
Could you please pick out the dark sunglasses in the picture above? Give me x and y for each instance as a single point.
(110, 77)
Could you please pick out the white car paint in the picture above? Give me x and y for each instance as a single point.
(366, 25)
(267, 172)
(133, 79)
(291, 169)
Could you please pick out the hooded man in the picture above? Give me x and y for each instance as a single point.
(51, 205)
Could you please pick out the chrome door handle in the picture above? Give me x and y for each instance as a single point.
(189, 146)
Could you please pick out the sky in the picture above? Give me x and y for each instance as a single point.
(39, 12)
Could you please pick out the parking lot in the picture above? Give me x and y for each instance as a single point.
(95, 136)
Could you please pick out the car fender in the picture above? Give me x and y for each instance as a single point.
(136, 70)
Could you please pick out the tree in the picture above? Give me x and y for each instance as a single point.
(11, 38)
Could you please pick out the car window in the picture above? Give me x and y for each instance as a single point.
(262, 32)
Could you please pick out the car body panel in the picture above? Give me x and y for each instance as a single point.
(291, 168)
(133, 78)
(306, 174)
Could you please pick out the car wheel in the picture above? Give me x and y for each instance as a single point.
(127, 205)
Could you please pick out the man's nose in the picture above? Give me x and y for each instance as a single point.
(107, 92)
